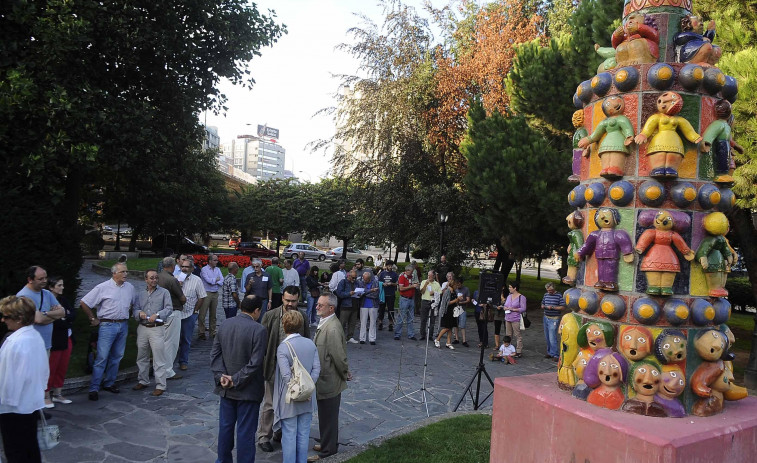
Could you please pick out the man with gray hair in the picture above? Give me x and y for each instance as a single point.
(172, 328)
(552, 303)
(153, 307)
(113, 299)
(369, 304)
(212, 279)
(259, 284)
(229, 291)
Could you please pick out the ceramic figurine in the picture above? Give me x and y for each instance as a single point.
(665, 148)
(635, 42)
(734, 392)
(718, 138)
(576, 238)
(635, 342)
(618, 135)
(672, 384)
(581, 390)
(660, 264)
(714, 253)
(606, 243)
(568, 331)
(581, 132)
(710, 345)
(694, 44)
(608, 53)
(670, 346)
(644, 379)
(605, 374)
(595, 335)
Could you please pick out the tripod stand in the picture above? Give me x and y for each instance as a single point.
(469, 388)
(422, 391)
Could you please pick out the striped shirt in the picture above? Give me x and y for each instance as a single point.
(193, 290)
(550, 300)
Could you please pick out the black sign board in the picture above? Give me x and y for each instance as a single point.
(265, 131)
(490, 287)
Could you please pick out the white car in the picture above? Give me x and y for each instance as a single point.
(352, 254)
(311, 252)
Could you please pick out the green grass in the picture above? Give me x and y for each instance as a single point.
(463, 439)
(143, 263)
(742, 325)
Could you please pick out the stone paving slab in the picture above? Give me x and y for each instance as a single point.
(182, 424)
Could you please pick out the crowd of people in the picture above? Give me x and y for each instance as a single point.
(254, 350)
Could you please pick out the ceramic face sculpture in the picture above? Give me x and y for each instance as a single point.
(718, 139)
(618, 135)
(665, 149)
(576, 239)
(694, 44)
(635, 342)
(595, 335)
(660, 264)
(644, 379)
(714, 253)
(581, 391)
(606, 373)
(710, 345)
(568, 330)
(607, 244)
(635, 42)
(672, 384)
(670, 347)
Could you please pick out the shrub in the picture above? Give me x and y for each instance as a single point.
(224, 260)
(740, 293)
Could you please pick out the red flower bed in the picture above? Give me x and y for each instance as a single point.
(224, 260)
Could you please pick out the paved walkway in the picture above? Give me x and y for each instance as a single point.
(182, 425)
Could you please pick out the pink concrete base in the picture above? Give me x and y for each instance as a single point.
(534, 421)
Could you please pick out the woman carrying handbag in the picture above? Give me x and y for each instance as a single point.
(515, 308)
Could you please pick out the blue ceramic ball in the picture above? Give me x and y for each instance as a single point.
(613, 306)
(690, 76)
(576, 196)
(577, 102)
(646, 310)
(595, 194)
(676, 311)
(571, 297)
(652, 193)
(714, 80)
(722, 310)
(601, 83)
(661, 76)
(708, 196)
(730, 90)
(626, 79)
(588, 302)
(683, 194)
(584, 91)
(702, 312)
(621, 193)
(727, 200)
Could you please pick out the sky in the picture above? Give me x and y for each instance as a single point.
(294, 80)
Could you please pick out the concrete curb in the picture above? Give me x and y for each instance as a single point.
(357, 450)
(73, 385)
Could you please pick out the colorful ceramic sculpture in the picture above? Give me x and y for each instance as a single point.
(715, 253)
(595, 335)
(665, 150)
(670, 346)
(694, 44)
(607, 244)
(660, 264)
(672, 384)
(618, 134)
(576, 239)
(719, 139)
(635, 342)
(568, 330)
(734, 392)
(581, 132)
(635, 42)
(605, 374)
(608, 54)
(644, 379)
(581, 391)
(709, 381)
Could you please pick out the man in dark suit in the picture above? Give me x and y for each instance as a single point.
(332, 353)
(236, 361)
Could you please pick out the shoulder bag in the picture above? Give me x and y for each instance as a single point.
(524, 321)
(48, 435)
(301, 385)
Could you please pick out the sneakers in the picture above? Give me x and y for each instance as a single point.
(450, 346)
(437, 344)
(352, 341)
(61, 400)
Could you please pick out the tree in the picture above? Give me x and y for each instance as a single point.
(273, 206)
(513, 194)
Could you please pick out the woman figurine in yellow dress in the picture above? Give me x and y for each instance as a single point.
(665, 148)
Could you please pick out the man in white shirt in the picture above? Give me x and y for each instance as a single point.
(291, 276)
(212, 280)
(191, 286)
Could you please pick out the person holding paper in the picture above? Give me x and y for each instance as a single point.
(259, 283)
(368, 289)
(152, 308)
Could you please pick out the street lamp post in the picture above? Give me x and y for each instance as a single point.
(443, 218)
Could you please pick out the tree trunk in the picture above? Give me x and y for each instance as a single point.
(397, 254)
(278, 244)
(518, 268)
(344, 248)
(118, 237)
(538, 270)
(741, 222)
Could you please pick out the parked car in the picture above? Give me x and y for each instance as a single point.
(164, 243)
(352, 254)
(254, 249)
(234, 241)
(220, 236)
(311, 252)
(493, 254)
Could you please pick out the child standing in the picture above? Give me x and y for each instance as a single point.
(506, 352)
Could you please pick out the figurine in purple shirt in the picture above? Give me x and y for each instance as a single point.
(606, 243)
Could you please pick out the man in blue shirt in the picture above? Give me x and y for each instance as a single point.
(388, 278)
(552, 303)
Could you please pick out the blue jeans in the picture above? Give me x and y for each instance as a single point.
(264, 308)
(111, 343)
(405, 316)
(550, 332)
(310, 318)
(243, 414)
(185, 341)
(295, 433)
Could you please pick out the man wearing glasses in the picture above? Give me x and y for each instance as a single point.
(114, 299)
(259, 284)
(194, 292)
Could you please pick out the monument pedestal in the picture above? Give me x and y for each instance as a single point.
(534, 421)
